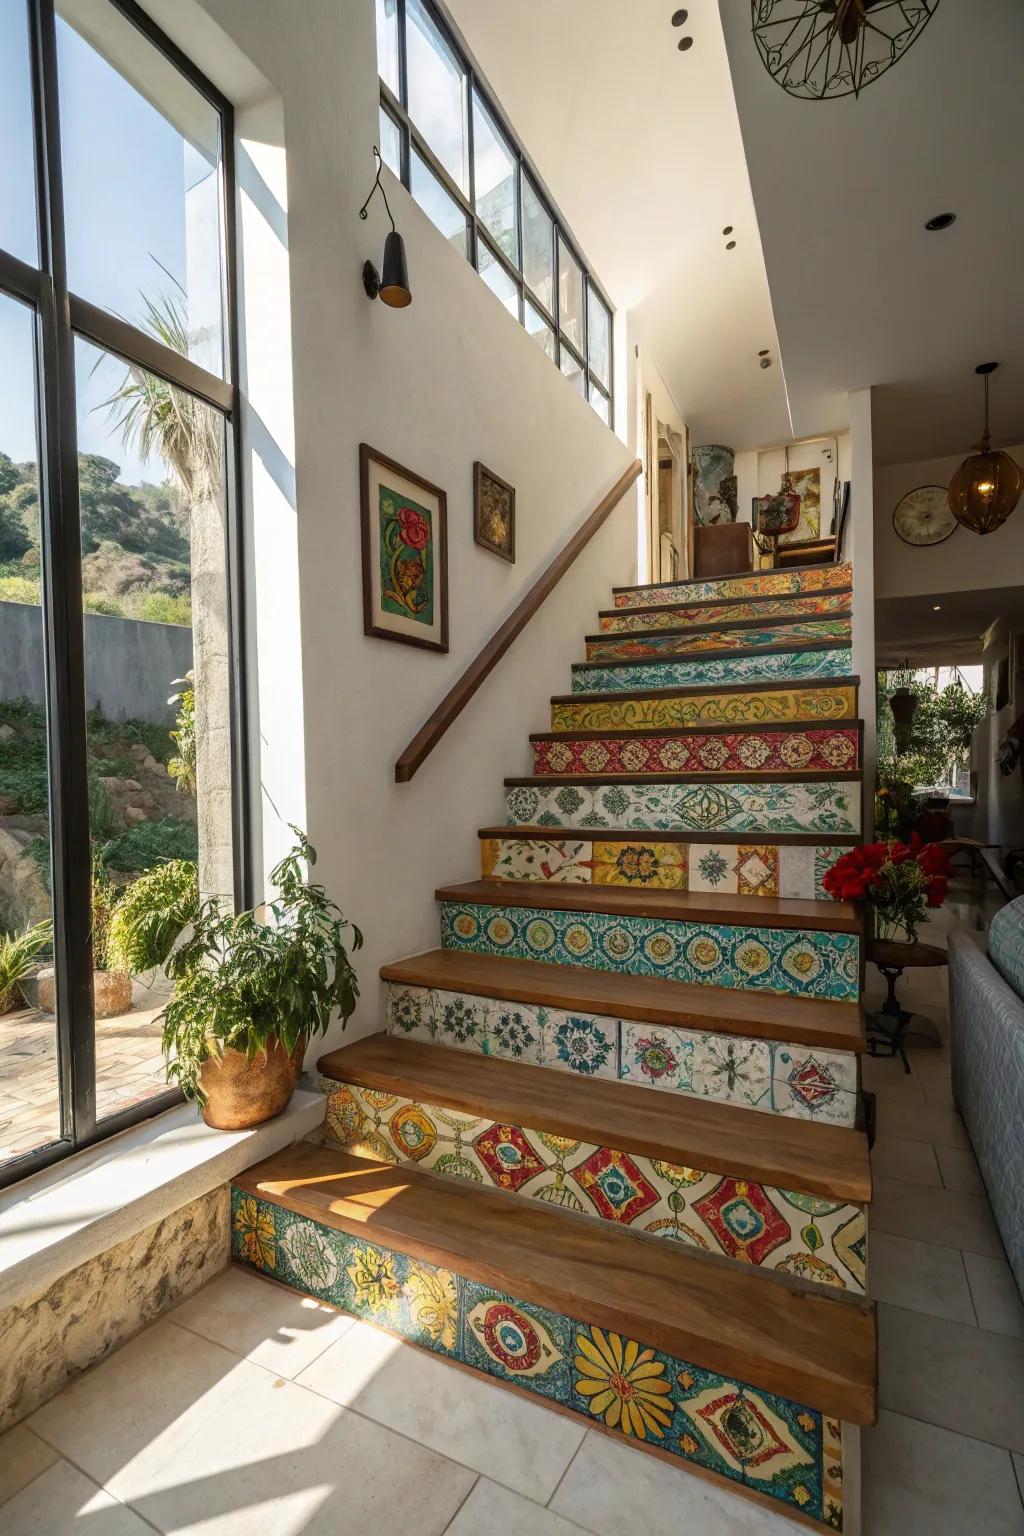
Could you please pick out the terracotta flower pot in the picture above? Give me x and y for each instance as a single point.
(241, 1093)
(111, 992)
(10, 999)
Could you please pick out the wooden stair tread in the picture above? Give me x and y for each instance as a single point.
(705, 776)
(680, 906)
(638, 835)
(817, 1349)
(702, 581)
(762, 685)
(796, 648)
(765, 622)
(810, 1021)
(825, 1160)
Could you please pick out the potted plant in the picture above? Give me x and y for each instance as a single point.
(18, 953)
(111, 981)
(151, 916)
(899, 882)
(250, 988)
(903, 702)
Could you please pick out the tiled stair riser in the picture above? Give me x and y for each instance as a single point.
(824, 806)
(812, 750)
(733, 869)
(626, 649)
(809, 606)
(804, 962)
(787, 1231)
(796, 1081)
(822, 704)
(703, 672)
(760, 584)
(789, 1454)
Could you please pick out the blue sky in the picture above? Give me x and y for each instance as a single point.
(125, 169)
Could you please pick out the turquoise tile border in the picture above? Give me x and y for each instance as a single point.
(803, 962)
(757, 808)
(792, 666)
(747, 1437)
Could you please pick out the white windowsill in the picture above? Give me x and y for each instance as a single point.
(69, 1213)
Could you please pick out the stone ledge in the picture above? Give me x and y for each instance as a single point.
(69, 1213)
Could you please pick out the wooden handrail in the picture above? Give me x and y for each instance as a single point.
(456, 699)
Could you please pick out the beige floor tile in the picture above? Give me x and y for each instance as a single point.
(894, 1157)
(278, 1329)
(960, 1378)
(919, 1480)
(23, 1456)
(921, 1122)
(518, 1443)
(997, 1301)
(63, 1502)
(943, 1216)
(194, 1438)
(884, 1076)
(960, 1170)
(921, 1276)
(613, 1490)
(494, 1511)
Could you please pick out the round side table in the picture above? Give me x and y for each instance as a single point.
(891, 1024)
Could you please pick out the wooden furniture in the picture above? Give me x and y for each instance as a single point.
(722, 549)
(805, 552)
(888, 1030)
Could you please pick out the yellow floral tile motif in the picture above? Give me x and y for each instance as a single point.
(434, 1304)
(255, 1227)
(375, 1283)
(777, 583)
(490, 848)
(641, 865)
(818, 603)
(822, 702)
(623, 1384)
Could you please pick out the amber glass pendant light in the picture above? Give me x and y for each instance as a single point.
(987, 486)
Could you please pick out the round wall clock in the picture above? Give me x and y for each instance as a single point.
(923, 516)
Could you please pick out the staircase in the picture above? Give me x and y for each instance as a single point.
(608, 1151)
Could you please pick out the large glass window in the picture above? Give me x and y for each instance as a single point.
(443, 133)
(120, 585)
(17, 157)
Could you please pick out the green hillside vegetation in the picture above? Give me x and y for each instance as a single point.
(135, 543)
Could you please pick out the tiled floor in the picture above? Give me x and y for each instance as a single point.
(248, 1410)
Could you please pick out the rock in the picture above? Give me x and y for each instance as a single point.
(24, 899)
(139, 751)
(8, 806)
(115, 786)
(150, 764)
(7, 733)
(133, 814)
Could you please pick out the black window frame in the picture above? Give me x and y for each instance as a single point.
(396, 108)
(60, 316)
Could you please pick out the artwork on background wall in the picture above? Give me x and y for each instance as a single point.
(806, 483)
(405, 553)
(714, 484)
(494, 513)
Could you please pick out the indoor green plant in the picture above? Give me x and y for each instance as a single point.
(18, 953)
(250, 988)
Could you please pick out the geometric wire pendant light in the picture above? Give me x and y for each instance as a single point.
(824, 48)
(988, 484)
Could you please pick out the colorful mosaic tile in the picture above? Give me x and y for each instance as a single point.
(759, 807)
(797, 1082)
(745, 1436)
(706, 673)
(771, 706)
(536, 859)
(812, 750)
(804, 962)
(717, 640)
(758, 584)
(808, 606)
(739, 1220)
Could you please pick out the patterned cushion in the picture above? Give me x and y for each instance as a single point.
(1006, 944)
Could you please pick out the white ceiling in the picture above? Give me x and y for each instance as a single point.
(640, 145)
(862, 294)
(910, 628)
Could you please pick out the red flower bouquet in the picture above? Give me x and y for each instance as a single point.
(899, 881)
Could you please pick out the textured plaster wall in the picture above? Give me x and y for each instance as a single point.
(51, 1336)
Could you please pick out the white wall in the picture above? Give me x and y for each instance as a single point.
(963, 562)
(759, 471)
(449, 380)
(645, 379)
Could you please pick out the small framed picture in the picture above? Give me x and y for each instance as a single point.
(494, 513)
(405, 553)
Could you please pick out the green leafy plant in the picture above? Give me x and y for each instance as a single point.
(151, 916)
(150, 843)
(182, 766)
(105, 896)
(248, 981)
(18, 953)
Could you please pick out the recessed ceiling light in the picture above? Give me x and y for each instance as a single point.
(936, 608)
(685, 44)
(766, 362)
(941, 221)
(730, 245)
(727, 230)
(679, 17)
(763, 352)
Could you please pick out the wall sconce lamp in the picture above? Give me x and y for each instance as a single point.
(391, 284)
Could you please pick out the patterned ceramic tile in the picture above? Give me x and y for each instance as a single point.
(739, 1220)
(758, 584)
(812, 750)
(784, 1451)
(511, 858)
(723, 613)
(812, 1084)
(743, 869)
(759, 807)
(789, 666)
(773, 706)
(645, 866)
(807, 963)
(629, 649)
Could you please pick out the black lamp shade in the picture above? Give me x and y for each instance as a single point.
(394, 282)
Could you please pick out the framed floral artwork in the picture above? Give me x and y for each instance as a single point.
(405, 553)
(494, 513)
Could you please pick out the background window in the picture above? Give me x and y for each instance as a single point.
(17, 178)
(387, 44)
(437, 93)
(573, 369)
(390, 142)
(538, 246)
(494, 169)
(440, 208)
(599, 337)
(537, 326)
(498, 280)
(570, 296)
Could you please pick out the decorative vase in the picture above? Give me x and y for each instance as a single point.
(241, 1093)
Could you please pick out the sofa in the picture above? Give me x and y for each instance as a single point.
(986, 997)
